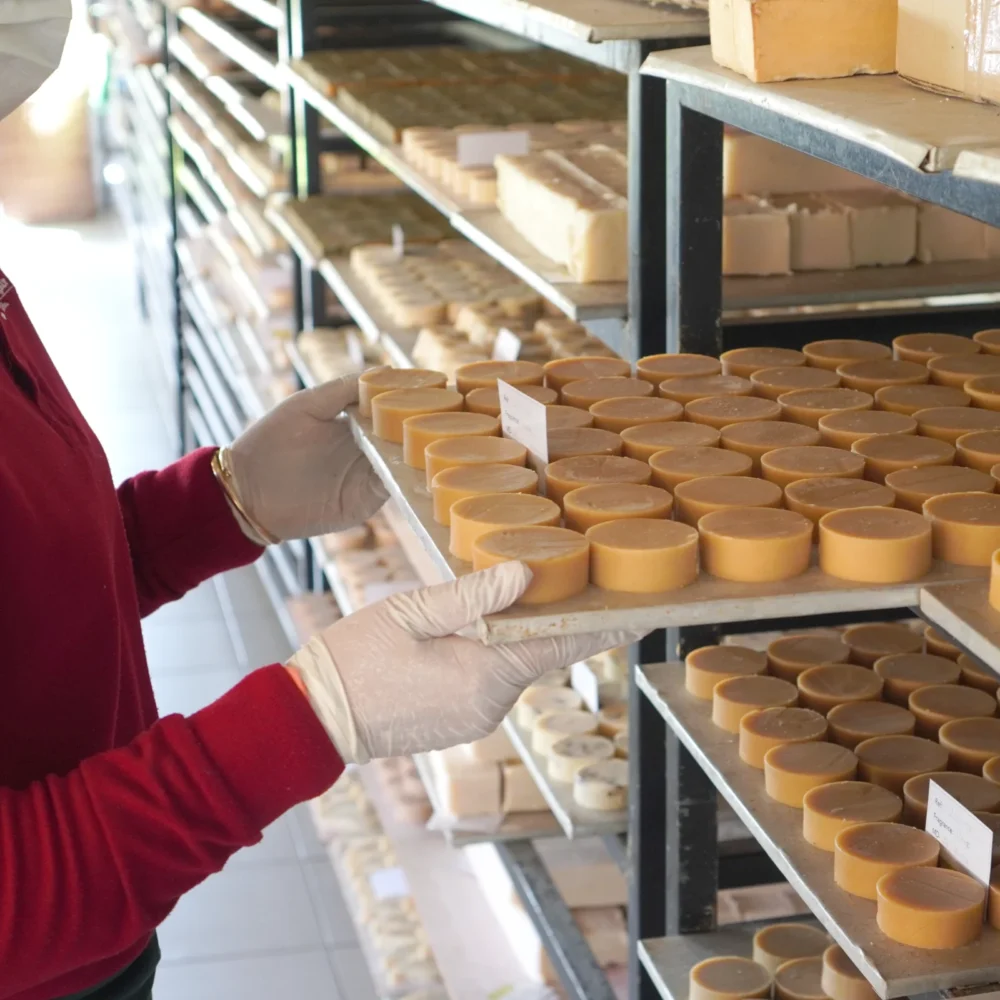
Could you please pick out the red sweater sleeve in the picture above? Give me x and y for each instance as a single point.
(92, 861)
(180, 530)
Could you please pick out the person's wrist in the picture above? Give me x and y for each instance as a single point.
(224, 477)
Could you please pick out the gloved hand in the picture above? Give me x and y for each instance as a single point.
(298, 472)
(394, 678)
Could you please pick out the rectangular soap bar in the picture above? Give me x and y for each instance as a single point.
(820, 233)
(756, 238)
(883, 227)
(769, 40)
(466, 787)
(946, 235)
(520, 792)
(494, 748)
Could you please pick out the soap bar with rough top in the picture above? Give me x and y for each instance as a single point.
(870, 643)
(477, 515)
(939, 644)
(755, 544)
(644, 441)
(756, 438)
(842, 429)
(487, 400)
(602, 786)
(737, 696)
(809, 406)
(589, 505)
(830, 684)
(790, 655)
(922, 347)
(422, 430)
(707, 666)
(642, 556)
(766, 728)
(583, 393)
(568, 442)
(936, 704)
(862, 854)
(854, 722)
(379, 380)
(756, 238)
(697, 497)
(486, 374)
(831, 354)
(966, 526)
(888, 453)
(784, 466)
(979, 450)
(870, 376)
(985, 391)
(815, 498)
(452, 453)
(562, 371)
(800, 979)
(909, 399)
(551, 727)
(780, 943)
(571, 753)
(452, 485)
(744, 361)
(820, 232)
(559, 560)
(904, 673)
(973, 673)
(916, 487)
(656, 368)
(621, 412)
(971, 790)
(391, 408)
(875, 545)
(949, 423)
(686, 389)
(728, 978)
(722, 411)
(770, 383)
(672, 467)
(590, 470)
(790, 771)
(841, 979)
(890, 761)
(883, 223)
(930, 908)
(829, 809)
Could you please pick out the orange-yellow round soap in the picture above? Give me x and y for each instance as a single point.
(744, 361)
(890, 761)
(721, 411)
(422, 430)
(869, 643)
(789, 465)
(591, 470)
(451, 453)
(486, 374)
(886, 454)
(644, 441)
(589, 505)
(842, 429)
(728, 978)
(988, 341)
(949, 423)
(487, 400)
(874, 545)
(707, 666)
(973, 673)
(770, 383)
(921, 347)
(765, 728)
(755, 544)
(391, 408)
(569, 442)
(831, 354)
(956, 369)
(862, 854)
(972, 790)
(870, 376)
(829, 809)
(559, 559)
(809, 406)
(565, 370)
(841, 978)
(756, 438)
(978, 450)
(378, 380)
(476, 515)
(939, 644)
(777, 944)
(686, 390)
(697, 497)
(815, 498)
(937, 704)
(800, 979)
(657, 368)
(930, 907)
(621, 412)
(904, 673)
(585, 392)
(905, 400)
(790, 655)
(966, 526)
(854, 722)
(830, 684)
(678, 465)
(991, 770)
(642, 555)
(790, 771)
(462, 481)
(559, 417)
(915, 487)
(735, 697)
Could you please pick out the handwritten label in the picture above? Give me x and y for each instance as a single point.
(523, 419)
(480, 149)
(398, 240)
(386, 588)
(965, 840)
(389, 883)
(507, 346)
(584, 682)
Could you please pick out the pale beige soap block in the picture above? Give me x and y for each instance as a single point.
(465, 787)
(883, 227)
(756, 238)
(820, 232)
(494, 748)
(944, 235)
(520, 791)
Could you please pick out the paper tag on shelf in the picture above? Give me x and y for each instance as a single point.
(373, 592)
(507, 346)
(389, 883)
(398, 240)
(584, 682)
(480, 149)
(965, 840)
(524, 420)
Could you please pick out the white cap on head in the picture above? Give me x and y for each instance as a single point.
(32, 36)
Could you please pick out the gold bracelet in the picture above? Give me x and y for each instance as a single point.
(224, 476)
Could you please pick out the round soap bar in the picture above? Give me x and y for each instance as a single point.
(904, 673)
(956, 369)
(972, 791)
(766, 728)
(551, 727)
(589, 505)
(862, 854)
(991, 770)
(890, 761)
(565, 370)
(869, 643)
(592, 470)
(988, 341)
(831, 354)
(755, 544)
(621, 745)
(678, 465)
(570, 442)
(644, 441)
(452, 485)
(809, 406)
(487, 400)
(842, 429)
(571, 753)
(841, 979)
(621, 412)
(559, 560)
(585, 392)
(966, 526)
(874, 545)
(559, 417)
(612, 718)
(937, 704)
(790, 655)
(978, 450)
(915, 487)
(486, 374)
(770, 383)
(602, 786)
(735, 697)
(790, 771)
(728, 978)
(657, 368)
(908, 399)
(829, 809)
(800, 979)
(949, 423)
(642, 556)
(815, 498)
(391, 408)
(744, 361)
(870, 376)
(475, 516)
(886, 454)
(538, 701)
(975, 675)
(687, 390)
(709, 665)
(921, 347)
(789, 465)
(422, 430)
(828, 685)
(721, 411)
(697, 497)
(777, 944)
(378, 380)
(756, 438)
(453, 453)
(930, 908)
(854, 722)
(939, 644)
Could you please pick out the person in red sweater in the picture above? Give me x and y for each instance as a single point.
(108, 815)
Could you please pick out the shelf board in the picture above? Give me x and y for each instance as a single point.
(892, 969)
(265, 11)
(964, 613)
(233, 45)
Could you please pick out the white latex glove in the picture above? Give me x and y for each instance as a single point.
(298, 471)
(394, 678)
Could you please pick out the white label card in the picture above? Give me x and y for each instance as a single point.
(523, 420)
(584, 682)
(480, 149)
(398, 240)
(386, 588)
(389, 883)
(965, 840)
(507, 346)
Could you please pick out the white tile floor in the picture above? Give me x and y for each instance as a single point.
(273, 923)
